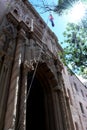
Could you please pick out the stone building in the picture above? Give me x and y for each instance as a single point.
(76, 93)
(34, 84)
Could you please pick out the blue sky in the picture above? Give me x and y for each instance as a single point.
(60, 22)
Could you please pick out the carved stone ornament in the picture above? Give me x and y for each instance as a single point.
(9, 30)
(28, 65)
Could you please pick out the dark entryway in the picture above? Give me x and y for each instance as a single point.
(35, 105)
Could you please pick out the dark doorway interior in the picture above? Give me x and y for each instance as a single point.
(35, 105)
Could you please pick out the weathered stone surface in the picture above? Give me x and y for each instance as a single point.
(29, 58)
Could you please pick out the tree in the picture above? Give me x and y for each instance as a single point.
(61, 8)
(75, 52)
(64, 6)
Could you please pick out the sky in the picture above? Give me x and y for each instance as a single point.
(60, 22)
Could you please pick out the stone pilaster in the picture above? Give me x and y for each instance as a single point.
(21, 124)
(63, 111)
(57, 111)
(10, 118)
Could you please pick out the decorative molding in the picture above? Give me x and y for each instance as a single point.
(28, 65)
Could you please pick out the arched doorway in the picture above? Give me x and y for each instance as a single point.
(40, 105)
(35, 105)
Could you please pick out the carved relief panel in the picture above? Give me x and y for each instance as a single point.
(8, 34)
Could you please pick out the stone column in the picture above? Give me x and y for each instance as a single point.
(69, 115)
(63, 111)
(62, 102)
(10, 118)
(57, 111)
(3, 94)
(21, 124)
(25, 68)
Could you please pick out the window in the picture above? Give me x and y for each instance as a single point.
(82, 93)
(81, 107)
(75, 87)
(69, 94)
(15, 11)
(76, 126)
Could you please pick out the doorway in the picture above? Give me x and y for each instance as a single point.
(35, 114)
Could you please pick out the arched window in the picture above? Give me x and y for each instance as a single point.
(82, 92)
(15, 11)
(81, 106)
(76, 87)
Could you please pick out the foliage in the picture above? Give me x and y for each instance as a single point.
(61, 8)
(65, 5)
(75, 53)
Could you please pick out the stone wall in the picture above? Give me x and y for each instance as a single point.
(25, 42)
(26, 45)
(76, 93)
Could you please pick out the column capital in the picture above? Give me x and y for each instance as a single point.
(28, 66)
(22, 34)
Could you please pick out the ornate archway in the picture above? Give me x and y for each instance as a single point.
(40, 113)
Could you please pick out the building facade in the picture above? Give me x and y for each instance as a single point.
(76, 93)
(33, 81)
